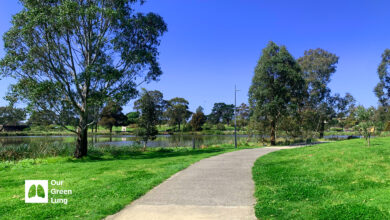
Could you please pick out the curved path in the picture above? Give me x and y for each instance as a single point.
(219, 187)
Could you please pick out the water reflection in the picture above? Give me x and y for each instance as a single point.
(160, 141)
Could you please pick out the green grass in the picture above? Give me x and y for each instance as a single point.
(339, 180)
(101, 184)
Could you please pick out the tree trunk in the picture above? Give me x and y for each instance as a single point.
(144, 149)
(96, 127)
(179, 126)
(111, 130)
(193, 142)
(322, 129)
(82, 140)
(273, 128)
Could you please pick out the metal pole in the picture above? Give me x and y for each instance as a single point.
(235, 117)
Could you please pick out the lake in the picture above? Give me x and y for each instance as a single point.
(160, 141)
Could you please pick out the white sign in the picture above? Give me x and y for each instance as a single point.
(34, 186)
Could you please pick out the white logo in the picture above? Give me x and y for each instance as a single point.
(36, 191)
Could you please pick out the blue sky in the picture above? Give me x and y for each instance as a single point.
(211, 45)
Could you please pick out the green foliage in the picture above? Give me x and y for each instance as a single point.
(278, 87)
(221, 113)
(383, 87)
(132, 117)
(365, 122)
(112, 116)
(243, 115)
(147, 106)
(38, 118)
(336, 129)
(339, 180)
(198, 119)
(70, 56)
(221, 127)
(11, 116)
(318, 66)
(177, 111)
(159, 102)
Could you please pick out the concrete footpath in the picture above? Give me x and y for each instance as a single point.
(219, 187)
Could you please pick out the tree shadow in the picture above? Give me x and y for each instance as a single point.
(97, 156)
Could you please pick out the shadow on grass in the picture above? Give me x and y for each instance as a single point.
(96, 156)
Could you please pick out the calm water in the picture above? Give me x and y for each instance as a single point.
(161, 141)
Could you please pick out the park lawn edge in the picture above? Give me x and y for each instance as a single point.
(338, 180)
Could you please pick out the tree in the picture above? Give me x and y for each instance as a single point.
(132, 117)
(382, 90)
(40, 118)
(318, 66)
(277, 86)
(382, 118)
(198, 119)
(148, 109)
(243, 115)
(221, 112)
(365, 120)
(11, 116)
(177, 111)
(112, 116)
(160, 104)
(75, 54)
(343, 107)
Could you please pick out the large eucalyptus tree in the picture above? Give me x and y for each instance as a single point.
(318, 65)
(70, 55)
(278, 87)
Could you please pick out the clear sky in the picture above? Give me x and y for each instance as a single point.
(213, 44)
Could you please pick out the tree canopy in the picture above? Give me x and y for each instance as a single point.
(159, 103)
(11, 116)
(318, 66)
(277, 87)
(221, 112)
(177, 111)
(198, 119)
(148, 107)
(382, 90)
(112, 115)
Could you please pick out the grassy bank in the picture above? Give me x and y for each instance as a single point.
(340, 180)
(101, 184)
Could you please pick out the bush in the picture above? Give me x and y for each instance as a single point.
(337, 129)
(221, 127)
(206, 127)
(187, 128)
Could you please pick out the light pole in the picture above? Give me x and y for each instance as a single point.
(235, 116)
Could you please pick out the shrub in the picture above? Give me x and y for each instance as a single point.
(336, 129)
(221, 127)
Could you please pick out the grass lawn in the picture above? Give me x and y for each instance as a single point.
(339, 180)
(100, 185)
